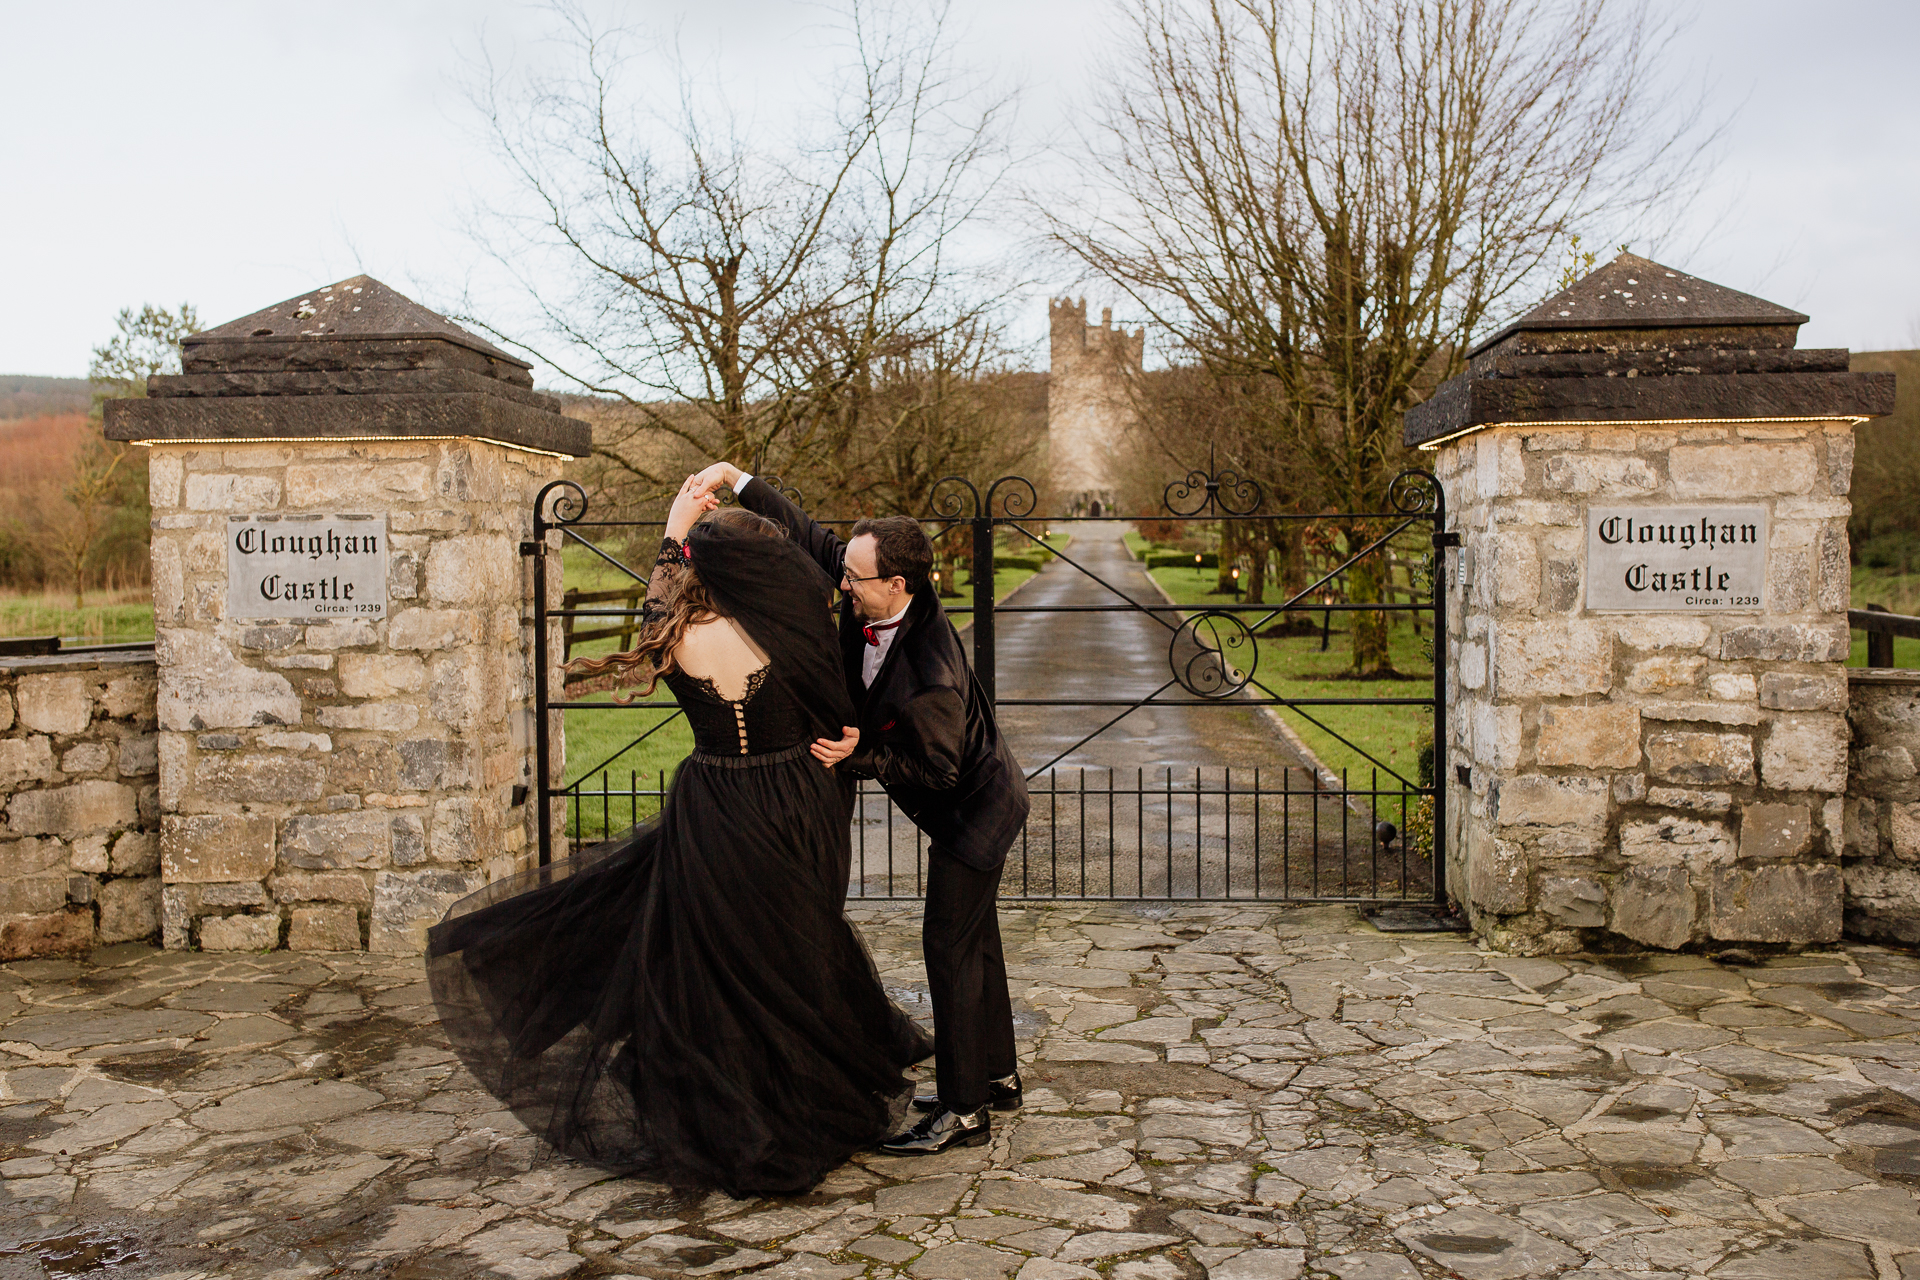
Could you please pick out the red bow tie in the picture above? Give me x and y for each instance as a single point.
(872, 630)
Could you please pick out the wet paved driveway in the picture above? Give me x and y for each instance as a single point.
(1142, 808)
(1112, 655)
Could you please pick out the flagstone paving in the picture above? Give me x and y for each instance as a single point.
(1240, 1094)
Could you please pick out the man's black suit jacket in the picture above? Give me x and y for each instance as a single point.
(927, 731)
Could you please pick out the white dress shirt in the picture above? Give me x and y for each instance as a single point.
(873, 655)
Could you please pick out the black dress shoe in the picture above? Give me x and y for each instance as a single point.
(940, 1129)
(1002, 1095)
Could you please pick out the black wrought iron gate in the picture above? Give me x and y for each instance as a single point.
(1280, 824)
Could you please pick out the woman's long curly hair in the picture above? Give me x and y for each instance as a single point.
(686, 603)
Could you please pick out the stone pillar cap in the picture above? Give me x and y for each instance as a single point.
(1637, 342)
(358, 309)
(1632, 292)
(351, 360)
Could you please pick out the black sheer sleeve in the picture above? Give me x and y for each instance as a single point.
(668, 565)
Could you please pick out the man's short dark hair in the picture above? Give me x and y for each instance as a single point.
(901, 548)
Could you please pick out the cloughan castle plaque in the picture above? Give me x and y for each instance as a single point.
(1677, 559)
(307, 568)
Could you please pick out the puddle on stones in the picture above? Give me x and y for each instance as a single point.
(1466, 1244)
(660, 1202)
(1898, 1160)
(79, 1253)
(703, 1255)
(23, 1124)
(159, 1067)
(365, 1041)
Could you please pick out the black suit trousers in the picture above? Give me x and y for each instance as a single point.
(967, 977)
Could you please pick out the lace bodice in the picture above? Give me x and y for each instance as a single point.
(762, 720)
(724, 680)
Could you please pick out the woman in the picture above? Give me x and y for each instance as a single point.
(688, 1003)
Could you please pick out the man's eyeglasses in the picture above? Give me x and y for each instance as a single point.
(850, 577)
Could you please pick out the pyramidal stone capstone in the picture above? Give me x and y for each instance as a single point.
(350, 360)
(1635, 341)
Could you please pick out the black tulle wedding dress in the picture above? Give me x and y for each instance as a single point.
(688, 1003)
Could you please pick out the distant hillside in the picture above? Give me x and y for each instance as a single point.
(37, 453)
(26, 397)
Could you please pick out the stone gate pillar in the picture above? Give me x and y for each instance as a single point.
(340, 484)
(1649, 707)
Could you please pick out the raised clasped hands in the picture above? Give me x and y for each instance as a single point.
(692, 502)
(829, 751)
(714, 475)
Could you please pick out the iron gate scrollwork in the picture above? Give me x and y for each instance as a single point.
(1288, 829)
(1208, 639)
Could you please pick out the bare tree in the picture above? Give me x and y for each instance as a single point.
(99, 475)
(1334, 195)
(1237, 412)
(734, 291)
(943, 399)
(105, 493)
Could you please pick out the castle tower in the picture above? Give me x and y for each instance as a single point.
(1088, 410)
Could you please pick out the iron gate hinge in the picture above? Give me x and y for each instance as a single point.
(529, 548)
(1446, 538)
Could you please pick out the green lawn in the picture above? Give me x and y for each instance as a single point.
(606, 743)
(1294, 666)
(1906, 653)
(108, 618)
(1897, 591)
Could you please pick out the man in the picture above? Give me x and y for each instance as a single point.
(927, 733)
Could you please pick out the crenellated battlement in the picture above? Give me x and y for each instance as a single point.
(1073, 339)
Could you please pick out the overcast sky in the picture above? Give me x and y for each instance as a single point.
(235, 154)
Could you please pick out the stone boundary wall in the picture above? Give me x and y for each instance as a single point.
(1882, 863)
(79, 795)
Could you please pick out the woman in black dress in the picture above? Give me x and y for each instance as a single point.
(688, 1003)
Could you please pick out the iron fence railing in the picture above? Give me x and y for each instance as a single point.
(1195, 835)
